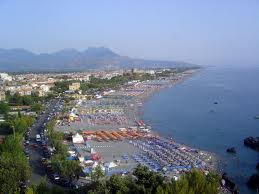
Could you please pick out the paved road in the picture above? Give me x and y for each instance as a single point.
(38, 170)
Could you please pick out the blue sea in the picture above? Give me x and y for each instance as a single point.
(187, 113)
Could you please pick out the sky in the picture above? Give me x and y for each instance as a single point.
(205, 32)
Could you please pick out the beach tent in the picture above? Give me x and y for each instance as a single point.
(71, 158)
(96, 164)
(81, 159)
(110, 165)
(87, 157)
(72, 153)
(88, 162)
(77, 138)
(87, 170)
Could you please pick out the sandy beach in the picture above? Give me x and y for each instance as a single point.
(112, 129)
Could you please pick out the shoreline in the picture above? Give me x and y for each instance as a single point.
(215, 159)
(121, 112)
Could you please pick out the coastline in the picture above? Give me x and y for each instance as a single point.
(215, 160)
(119, 113)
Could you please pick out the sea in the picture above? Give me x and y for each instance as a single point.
(213, 110)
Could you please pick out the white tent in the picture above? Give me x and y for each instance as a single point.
(77, 138)
(95, 164)
(88, 161)
(81, 159)
(110, 165)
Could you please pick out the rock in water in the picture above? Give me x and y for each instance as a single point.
(229, 184)
(232, 150)
(252, 142)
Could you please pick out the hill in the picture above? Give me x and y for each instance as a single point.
(14, 60)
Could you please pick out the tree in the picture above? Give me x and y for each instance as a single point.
(42, 187)
(118, 184)
(196, 182)
(70, 169)
(37, 107)
(14, 166)
(8, 180)
(4, 108)
(97, 173)
(67, 168)
(147, 178)
(6, 128)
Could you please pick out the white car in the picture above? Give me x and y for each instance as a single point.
(38, 138)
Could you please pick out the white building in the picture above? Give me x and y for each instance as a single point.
(4, 77)
(45, 88)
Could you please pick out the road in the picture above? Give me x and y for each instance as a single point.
(36, 154)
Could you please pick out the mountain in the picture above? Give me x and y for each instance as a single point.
(14, 60)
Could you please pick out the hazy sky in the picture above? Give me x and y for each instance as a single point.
(223, 32)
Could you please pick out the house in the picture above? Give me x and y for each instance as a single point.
(44, 88)
(74, 86)
(2, 95)
(41, 93)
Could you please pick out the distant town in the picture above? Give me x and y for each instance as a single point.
(41, 84)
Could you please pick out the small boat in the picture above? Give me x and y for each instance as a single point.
(256, 117)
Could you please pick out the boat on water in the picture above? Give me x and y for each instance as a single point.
(256, 117)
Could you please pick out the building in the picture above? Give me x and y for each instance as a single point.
(2, 95)
(74, 86)
(45, 88)
(41, 93)
(4, 77)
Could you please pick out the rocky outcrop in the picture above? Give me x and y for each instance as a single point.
(253, 181)
(229, 184)
(252, 142)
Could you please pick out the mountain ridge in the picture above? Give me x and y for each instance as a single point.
(69, 59)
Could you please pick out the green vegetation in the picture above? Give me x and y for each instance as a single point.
(61, 86)
(66, 168)
(17, 124)
(18, 100)
(146, 181)
(14, 166)
(97, 174)
(43, 188)
(114, 82)
(37, 107)
(143, 181)
(98, 83)
(4, 108)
